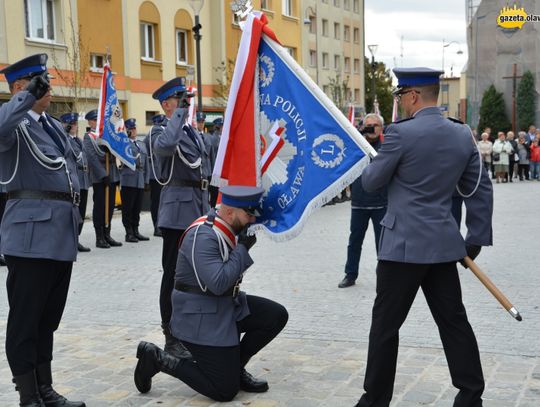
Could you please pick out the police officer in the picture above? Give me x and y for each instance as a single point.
(423, 160)
(3, 199)
(210, 312)
(100, 179)
(158, 121)
(365, 206)
(39, 228)
(132, 185)
(185, 167)
(70, 122)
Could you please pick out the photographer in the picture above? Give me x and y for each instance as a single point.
(365, 206)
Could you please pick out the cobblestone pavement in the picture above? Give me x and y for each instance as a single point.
(319, 359)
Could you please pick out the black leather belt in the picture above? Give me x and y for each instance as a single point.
(231, 292)
(201, 184)
(36, 194)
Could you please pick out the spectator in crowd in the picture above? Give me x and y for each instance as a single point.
(512, 159)
(523, 152)
(534, 162)
(501, 152)
(486, 148)
(531, 135)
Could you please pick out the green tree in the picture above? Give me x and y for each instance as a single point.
(526, 101)
(383, 88)
(492, 112)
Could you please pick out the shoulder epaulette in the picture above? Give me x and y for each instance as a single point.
(453, 119)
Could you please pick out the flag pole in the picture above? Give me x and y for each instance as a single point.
(325, 100)
(492, 288)
(107, 166)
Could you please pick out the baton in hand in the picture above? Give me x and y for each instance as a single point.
(492, 288)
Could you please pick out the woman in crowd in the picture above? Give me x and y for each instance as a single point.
(486, 148)
(523, 153)
(501, 152)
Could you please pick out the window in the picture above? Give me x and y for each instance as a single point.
(266, 4)
(347, 33)
(325, 27)
(313, 24)
(235, 19)
(337, 61)
(347, 4)
(336, 3)
(325, 89)
(181, 47)
(337, 30)
(40, 21)
(356, 6)
(148, 117)
(325, 60)
(356, 65)
(287, 8)
(444, 87)
(347, 64)
(96, 62)
(148, 45)
(291, 51)
(357, 95)
(312, 57)
(356, 35)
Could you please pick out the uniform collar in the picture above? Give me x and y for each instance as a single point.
(35, 115)
(427, 110)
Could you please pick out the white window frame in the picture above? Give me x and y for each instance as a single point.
(324, 27)
(356, 35)
(356, 6)
(337, 31)
(347, 64)
(180, 61)
(93, 62)
(356, 65)
(313, 58)
(44, 21)
(266, 5)
(325, 61)
(337, 62)
(291, 51)
(145, 52)
(347, 33)
(287, 8)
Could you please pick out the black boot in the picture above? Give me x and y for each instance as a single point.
(138, 235)
(157, 232)
(130, 235)
(151, 361)
(173, 345)
(2, 261)
(26, 385)
(109, 239)
(82, 248)
(250, 384)
(101, 243)
(50, 397)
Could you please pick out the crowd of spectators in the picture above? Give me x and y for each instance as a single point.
(508, 158)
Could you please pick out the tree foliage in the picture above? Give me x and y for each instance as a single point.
(383, 88)
(526, 101)
(224, 72)
(493, 113)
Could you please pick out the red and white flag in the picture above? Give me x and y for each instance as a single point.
(350, 114)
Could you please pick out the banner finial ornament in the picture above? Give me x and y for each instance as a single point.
(241, 8)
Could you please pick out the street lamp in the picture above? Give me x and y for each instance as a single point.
(197, 5)
(312, 12)
(373, 49)
(445, 45)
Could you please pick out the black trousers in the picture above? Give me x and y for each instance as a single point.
(82, 207)
(132, 199)
(155, 193)
(523, 171)
(215, 371)
(510, 174)
(213, 192)
(98, 213)
(169, 256)
(37, 290)
(397, 285)
(3, 200)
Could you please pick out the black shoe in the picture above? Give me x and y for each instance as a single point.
(82, 248)
(173, 346)
(109, 239)
(251, 385)
(49, 396)
(101, 243)
(346, 282)
(151, 361)
(157, 232)
(2, 261)
(138, 235)
(26, 385)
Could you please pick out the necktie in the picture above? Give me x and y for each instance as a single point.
(51, 132)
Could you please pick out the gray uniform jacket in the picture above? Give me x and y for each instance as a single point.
(422, 160)
(36, 228)
(179, 206)
(82, 162)
(202, 319)
(96, 162)
(211, 147)
(139, 177)
(154, 131)
(3, 189)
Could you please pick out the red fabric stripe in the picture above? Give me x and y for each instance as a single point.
(103, 100)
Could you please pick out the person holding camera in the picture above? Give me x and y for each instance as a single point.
(39, 228)
(209, 310)
(185, 168)
(365, 206)
(70, 122)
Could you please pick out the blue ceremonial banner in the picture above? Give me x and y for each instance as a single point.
(310, 151)
(110, 122)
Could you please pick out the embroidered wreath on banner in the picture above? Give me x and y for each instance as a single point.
(338, 143)
(266, 76)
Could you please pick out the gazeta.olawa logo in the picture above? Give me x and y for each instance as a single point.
(514, 17)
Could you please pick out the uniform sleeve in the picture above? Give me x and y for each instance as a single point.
(93, 160)
(480, 204)
(165, 143)
(11, 114)
(213, 272)
(381, 169)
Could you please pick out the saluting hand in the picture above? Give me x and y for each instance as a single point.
(39, 85)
